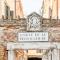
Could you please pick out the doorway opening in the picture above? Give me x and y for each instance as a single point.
(34, 58)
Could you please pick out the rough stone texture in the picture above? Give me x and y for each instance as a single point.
(9, 35)
(10, 28)
(19, 54)
(2, 53)
(54, 33)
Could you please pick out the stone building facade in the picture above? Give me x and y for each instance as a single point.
(11, 47)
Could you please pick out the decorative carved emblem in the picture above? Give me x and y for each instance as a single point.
(33, 22)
